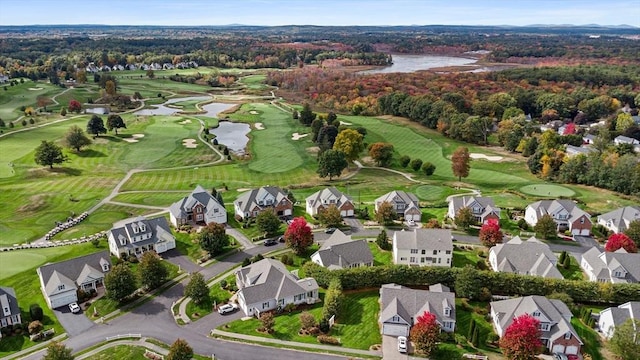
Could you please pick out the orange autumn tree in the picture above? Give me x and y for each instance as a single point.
(425, 333)
(521, 340)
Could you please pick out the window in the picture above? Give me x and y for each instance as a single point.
(61, 287)
(448, 261)
(536, 313)
(545, 326)
(310, 294)
(435, 252)
(439, 260)
(403, 259)
(582, 220)
(215, 211)
(447, 312)
(6, 310)
(396, 319)
(422, 260)
(433, 261)
(567, 335)
(414, 251)
(281, 302)
(265, 305)
(413, 259)
(448, 252)
(424, 251)
(260, 202)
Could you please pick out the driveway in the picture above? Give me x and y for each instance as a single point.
(355, 224)
(586, 241)
(74, 324)
(390, 349)
(214, 320)
(182, 261)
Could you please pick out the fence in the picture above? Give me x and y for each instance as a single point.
(124, 336)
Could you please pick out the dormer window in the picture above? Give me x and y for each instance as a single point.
(143, 227)
(60, 287)
(135, 228)
(6, 311)
(105, 267)
(447, 311)
(536, 313)
(260, 202)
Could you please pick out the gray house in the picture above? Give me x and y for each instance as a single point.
(60, 281)
(199, 207)
(340, 252)
(612, 317)
(400, 307)
(530, 257)
(618, 220)
(9, 308)
(482, 208)
(268, 285)
(138, 235)
(405, 204)
(613, 267)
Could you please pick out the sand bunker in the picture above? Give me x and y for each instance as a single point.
(345, 123)
(259, 126)
(134, 138)
(297, 136)
(185, 122)
(36, 89)
(189, 143)
(485, 157)
(253, 112)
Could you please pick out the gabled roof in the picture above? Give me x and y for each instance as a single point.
(410, 303)
(620, 258)
(8, 300)
(555, 310)
(432, 239)
(626, 140)
(624, 312)
(247, 201)
(199, 195)
(530, 257)
(324, 196)
(486, 203)
(339, 251)
(158, 228)
(269, 279)
(398, 195)
(621, 217)
(70, 271)
(543, 207)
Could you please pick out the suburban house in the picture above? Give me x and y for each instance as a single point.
(405, 204)
(588, 139)
(60, 281)
(530, 257)
(612, 317)
(554, 316)
(199, 207)
(326, 197)
(135, 236)
(340, 252)
(482, 208)
(249, 204)
(10, 314)
(400, 307)
(423, 247)
(618, 220)
(621, 139)
(572, 151)
(566, 214)
(268, 285)
(614, 267)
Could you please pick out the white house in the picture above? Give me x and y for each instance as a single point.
(199, 207)
(572, 151)
(482, 208)
(60, 281)
(9, 308)
(618, 220)
(268, 285)
(250, 203)
(400, 307)
(612, 317)
(530, 257)
(135, 236)
(326, 197)
(566, 214)
(613, 267)
(405, 204)
(621, 139)
(340, 252)
(423, 247)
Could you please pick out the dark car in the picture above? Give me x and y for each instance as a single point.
(270, 242)
(330, 230)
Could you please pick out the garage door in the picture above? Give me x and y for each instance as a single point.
(585, 232)
(63, 300)
(558, 348)
(287, 212)
(571, 350)
(414, 217)
(395, 330)
(345, 213)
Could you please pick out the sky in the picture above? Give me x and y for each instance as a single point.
(320, 12)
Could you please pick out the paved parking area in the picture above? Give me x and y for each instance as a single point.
(74, 324)
(390, 349)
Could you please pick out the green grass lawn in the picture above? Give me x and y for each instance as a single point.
(548, 190)
(592, 341)
(463, 321)
(380, 257)
(574, 272)
(462, 258)
(121, 352)
(218, 296)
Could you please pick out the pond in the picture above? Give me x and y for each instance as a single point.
(411, 63)
(211, 109)
(232, 135)
(97, 110)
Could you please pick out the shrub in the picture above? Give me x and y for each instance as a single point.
(307, 320)
(35, 327)
(324, 325)
(404, 161)
(224, 284)
(416, 164)
(522, 224)
(428, 168)
(326, 339)
(284, 259)
(481, 265)
(35, 312)
(246, 262)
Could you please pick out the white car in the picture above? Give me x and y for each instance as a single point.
(402, 344)
(227, 308)
(74, 308)
(411, 223)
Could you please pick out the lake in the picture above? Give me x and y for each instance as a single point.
(232, 135)
(411, 63)
(211, 109)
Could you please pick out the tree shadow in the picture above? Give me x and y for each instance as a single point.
(89, 153)
(66, 170)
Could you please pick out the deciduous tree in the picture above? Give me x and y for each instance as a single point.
(48, 153)
(120, 282)
(267, 322)
(180, 350)
(620, 240)
(331, 163)
(330, 216)
(74, 106)
(428, 168)
(545, 227)
(152, 270)
(75, 138)
(381, 153)
(490, 233)
(349, 142)
(95, 126)
(267, 221)
(57, 351)
(425, 333)
(114, 122)
(306, 116)
(464, 218)
(385, 213)
(213, 238)
(624, 342)
(460, 162)
(298, 235)
(521, 340)
(415, 164)
(633, 232)
(197, 289)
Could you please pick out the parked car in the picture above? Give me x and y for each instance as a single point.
(281, 239)
(270, 242)
(411, 223)
(572, 357)
(330, 230)
(74, 308)
(560, 356)
(227, 308)
(402, 344)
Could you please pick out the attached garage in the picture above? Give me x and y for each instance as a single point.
(63, 299)
(583, 232)
(346, 213)
(558, 348)
(571, 350)
(287, 212)
(395, 329)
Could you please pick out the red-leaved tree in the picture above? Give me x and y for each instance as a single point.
(617, 241)
(521, 340)
(425, 333)
(75, 106)
(298, 235)
(490, 233)
(569, 129)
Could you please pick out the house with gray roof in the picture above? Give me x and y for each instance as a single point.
(405, 204)
(614, 267)
(566, 214)
(340, 252)
(558, 335)
(60, 281)
(618, 220)
(612, 317)
(621, 139)
(482, 208)
(135, 236)
(530, 257)
(9, 308)
(250, 203)
(268, 285)
(400, 307)
(572, 150)
(321, 200)
(423, 247)
(200, 207)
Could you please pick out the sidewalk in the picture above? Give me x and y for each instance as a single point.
(293, 344)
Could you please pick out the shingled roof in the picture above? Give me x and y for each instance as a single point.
(339, 252)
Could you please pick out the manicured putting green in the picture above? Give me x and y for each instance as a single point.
(547, 190)
(17, 261)
(429, 192)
